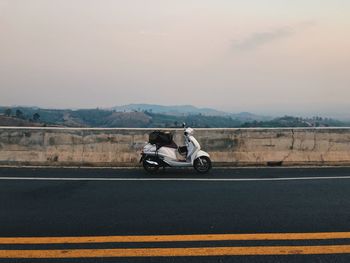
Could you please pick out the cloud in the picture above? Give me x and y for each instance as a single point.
(261, 38)
(258, 39)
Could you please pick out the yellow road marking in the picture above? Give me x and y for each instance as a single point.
(176, 252)
(174, 238)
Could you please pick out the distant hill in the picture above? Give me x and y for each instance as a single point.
(16, 122)
(185, 110)
(290, 121)
(151, 116)
(170, 110)
(111, 119)
(247, 117)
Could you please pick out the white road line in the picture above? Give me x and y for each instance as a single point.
(174, 179)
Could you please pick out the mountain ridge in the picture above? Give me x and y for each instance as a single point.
(183, 110)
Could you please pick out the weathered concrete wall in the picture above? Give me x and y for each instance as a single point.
(121, 147)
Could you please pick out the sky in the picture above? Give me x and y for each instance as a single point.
(271, 57)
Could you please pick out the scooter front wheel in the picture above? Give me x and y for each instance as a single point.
(149, 166)
(202, 164)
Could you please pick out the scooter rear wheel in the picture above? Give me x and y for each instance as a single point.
(202, 164)
(150, 168)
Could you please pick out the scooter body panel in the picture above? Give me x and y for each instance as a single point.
(162, 152)
(174, 163)
(201, 153)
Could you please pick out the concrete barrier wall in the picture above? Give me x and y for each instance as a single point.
(121, 147)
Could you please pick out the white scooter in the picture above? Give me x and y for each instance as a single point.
(162, 151)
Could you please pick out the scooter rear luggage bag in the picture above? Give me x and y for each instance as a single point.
(160, 138)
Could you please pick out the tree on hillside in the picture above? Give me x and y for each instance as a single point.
(36, 116)
(8, 112)
(19, 114)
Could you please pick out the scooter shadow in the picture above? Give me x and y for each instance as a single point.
(176, 173)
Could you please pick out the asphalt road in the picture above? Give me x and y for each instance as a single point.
(128, 202)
